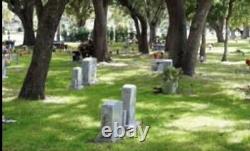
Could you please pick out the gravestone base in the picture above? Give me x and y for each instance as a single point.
(111, 113)
(78, 87)
(132, 125)
(101, 139)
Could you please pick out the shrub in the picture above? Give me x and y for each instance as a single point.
(171, 74)
(80, 34)
(170, 82)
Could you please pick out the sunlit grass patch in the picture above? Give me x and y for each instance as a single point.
(207, 113)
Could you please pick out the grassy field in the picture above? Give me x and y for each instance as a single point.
(208, 113)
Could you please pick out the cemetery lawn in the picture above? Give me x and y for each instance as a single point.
(209, 113)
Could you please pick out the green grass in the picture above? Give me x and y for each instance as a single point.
(209, 113)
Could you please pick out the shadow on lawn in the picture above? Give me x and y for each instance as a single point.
(71, 119)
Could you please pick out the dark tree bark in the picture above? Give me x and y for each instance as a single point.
(27, 22)
(24, 10)
(230, 11)
(141, 33)
(144, 47)
(198, 22)
(246, 32)
(141, 26)
(49, 16)
(138, 31)
(154, 15)
(81, 23)
(152, 27)
(137, 26)
(100, 29)
(203, 46)
(177, 34)
(219, 34)
(218, 28)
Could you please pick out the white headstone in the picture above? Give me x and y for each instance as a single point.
(15, 58)
(4, 72)
(77, 78)
(111, 114)
(159, 65)
(129, 101)
(89, 67)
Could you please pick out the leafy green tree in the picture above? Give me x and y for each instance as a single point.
(228, 17)
(138, 14)
(24, 10)
(155, 12)
(194, 37)
(120, 22)
(216, 18)
(7, 18)
(184, 50)
(80, 10)
(241, 17)
(100, 29)
(49, 14)
(177, 31)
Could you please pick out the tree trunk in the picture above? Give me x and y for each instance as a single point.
(81, 23)
(58, 33)
(100, 29)
(246, 32)
(141, 32)
(27, 22)
(203, 46)
(224, 57)
(142, 29)
(26, 17)
(230, 9)
(152, 34)
(144, 47)
(177, 33)
(219, 31)
(34, 84)
(198, 22)
(138, 31)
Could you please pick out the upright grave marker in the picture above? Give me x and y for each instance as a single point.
(89, 67)
(4, 72)
(77, 78)
(118, 117)
(159, 65)
(129, 101)
(15, 57)
(111, 115)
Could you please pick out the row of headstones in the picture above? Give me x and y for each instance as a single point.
(158, 65)
(84, 75)
(121, 113)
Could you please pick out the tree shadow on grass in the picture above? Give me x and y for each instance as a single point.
(69, 120)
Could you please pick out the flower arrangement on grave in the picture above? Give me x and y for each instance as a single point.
(170, 81)
(170, 77)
